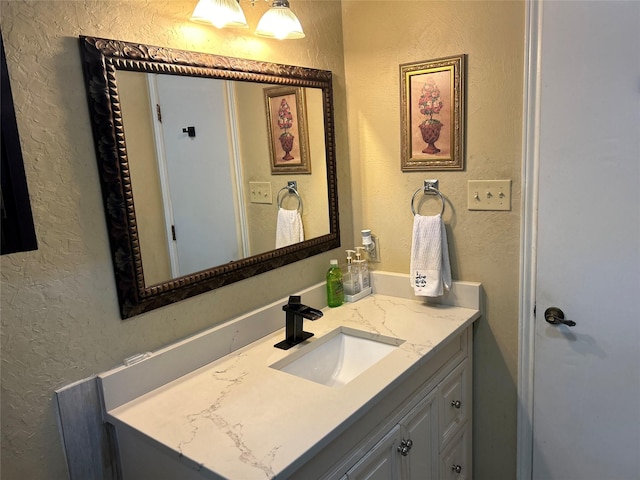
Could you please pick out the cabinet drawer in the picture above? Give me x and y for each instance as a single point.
(454, 402)
(455, 461)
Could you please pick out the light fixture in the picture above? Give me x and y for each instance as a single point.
(277, 22)
(220, 13)
(280, 22)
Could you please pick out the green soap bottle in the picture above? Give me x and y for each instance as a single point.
(335, 289)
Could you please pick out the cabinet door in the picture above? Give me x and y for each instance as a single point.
(418, 428)
(454, 402)
(455, 461)
(381, 462)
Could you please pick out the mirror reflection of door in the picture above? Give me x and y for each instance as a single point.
(197, 172)
(190, 180)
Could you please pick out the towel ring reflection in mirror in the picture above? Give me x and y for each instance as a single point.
(430, 188)
(293, 190)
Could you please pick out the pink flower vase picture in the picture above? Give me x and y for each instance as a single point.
(430, 104)
(285, 122)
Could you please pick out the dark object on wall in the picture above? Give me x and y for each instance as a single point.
(17, 230)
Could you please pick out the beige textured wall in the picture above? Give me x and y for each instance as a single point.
(378, 37)
(60, 320)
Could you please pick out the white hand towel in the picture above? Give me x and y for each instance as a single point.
(430, 269)
(288, 228)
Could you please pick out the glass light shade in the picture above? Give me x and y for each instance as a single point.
(279, 22)
(219, 13)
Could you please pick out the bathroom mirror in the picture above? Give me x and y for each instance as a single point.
(233, 187)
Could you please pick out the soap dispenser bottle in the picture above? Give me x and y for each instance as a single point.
(363, 271)
(350, 277)
(335, 288)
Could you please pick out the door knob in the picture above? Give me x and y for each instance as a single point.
(555, 316)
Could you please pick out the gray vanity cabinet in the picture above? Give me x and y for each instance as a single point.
(432, 440)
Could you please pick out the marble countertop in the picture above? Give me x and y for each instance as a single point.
(238, 418)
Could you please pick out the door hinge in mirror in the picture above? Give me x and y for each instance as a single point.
(173, 232)
(158, 112)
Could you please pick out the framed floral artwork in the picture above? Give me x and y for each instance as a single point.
(287, 130)
(432, 104)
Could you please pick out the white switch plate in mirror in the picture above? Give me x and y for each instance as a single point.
(260, 192)
(489, 195)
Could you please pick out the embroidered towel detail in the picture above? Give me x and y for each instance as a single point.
(430, 271)
(288, 228)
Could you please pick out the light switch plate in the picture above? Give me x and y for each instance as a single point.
(489, 195)
(260, 192)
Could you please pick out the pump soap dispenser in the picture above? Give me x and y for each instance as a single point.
(350, 278)
(362, 272)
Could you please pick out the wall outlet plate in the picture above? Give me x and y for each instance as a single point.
(489, 195)
(260, 192)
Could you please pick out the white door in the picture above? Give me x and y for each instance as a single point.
(201, 196)
(586, 378)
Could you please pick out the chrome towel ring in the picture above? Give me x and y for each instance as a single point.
(291, 188)
(430, 188)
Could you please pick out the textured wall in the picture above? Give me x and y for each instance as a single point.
(60, 320)
(378, 37)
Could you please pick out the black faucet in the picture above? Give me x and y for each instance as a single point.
(296, 312)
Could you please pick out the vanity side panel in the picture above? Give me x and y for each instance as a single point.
(90, 450)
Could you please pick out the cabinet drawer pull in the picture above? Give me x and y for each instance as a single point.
(405, 446)
(456, 403)
(456, 468)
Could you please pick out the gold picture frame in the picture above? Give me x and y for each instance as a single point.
(432, 104)
(287, 130)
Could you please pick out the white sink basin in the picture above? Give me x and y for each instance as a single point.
(338, 357)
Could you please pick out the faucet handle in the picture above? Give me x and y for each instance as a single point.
(293, 304)
(294, 299)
